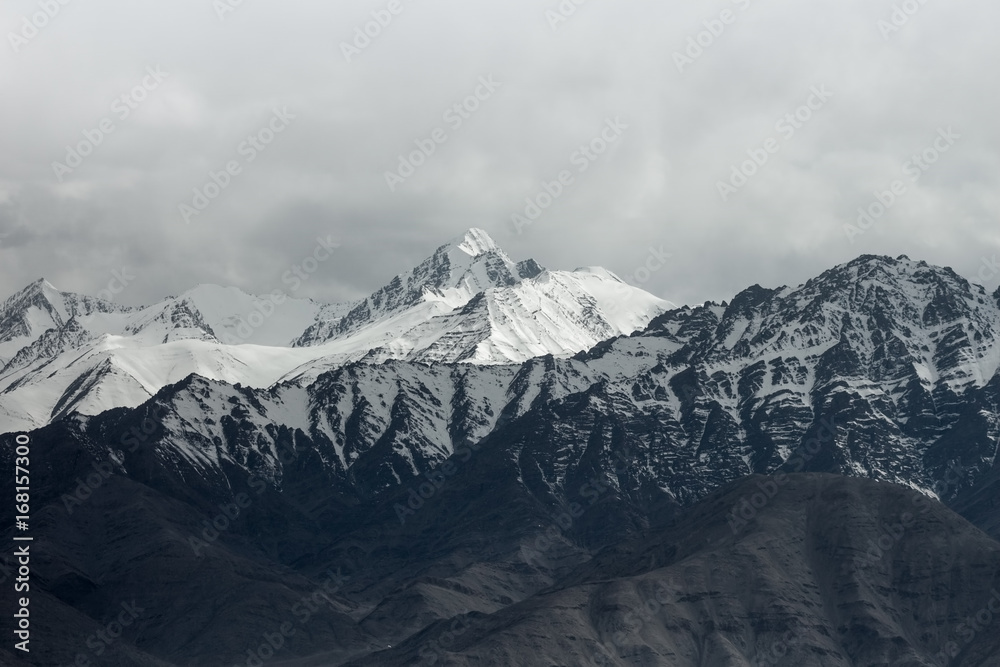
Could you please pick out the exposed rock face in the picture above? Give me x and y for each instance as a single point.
(882, 368)
(831, 571)
(513, 513)
(808, 569)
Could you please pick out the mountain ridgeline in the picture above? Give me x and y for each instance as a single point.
(62, 353)
(510, 465)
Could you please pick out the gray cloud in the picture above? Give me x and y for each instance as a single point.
(324, 174)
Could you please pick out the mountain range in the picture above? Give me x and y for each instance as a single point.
(62, 352)
(486, 462)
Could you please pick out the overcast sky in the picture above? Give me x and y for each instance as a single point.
(685, 114)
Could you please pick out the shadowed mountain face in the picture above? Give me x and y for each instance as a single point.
(880, 368)
(829, 571)
(516, 513)
(806, 569)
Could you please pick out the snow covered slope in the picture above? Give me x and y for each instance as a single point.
(882, 368)
(469, 302)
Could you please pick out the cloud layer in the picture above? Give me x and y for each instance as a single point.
(697, 91)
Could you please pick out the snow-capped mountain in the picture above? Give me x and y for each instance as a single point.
(888, 365)
(507, 495)
(449, 279)
(888, 368)
(469, 302)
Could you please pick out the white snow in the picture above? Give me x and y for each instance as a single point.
(227, 335)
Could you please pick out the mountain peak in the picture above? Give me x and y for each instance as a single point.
(876, 268)
(869, 260)
(40, 288)
(476, 242)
